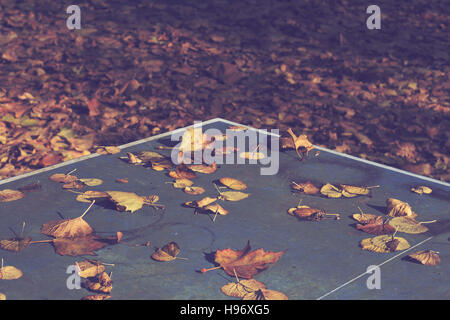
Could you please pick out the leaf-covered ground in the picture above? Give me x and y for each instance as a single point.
(139, 69)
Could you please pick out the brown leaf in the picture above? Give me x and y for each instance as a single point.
(96, 297)
(398, 208)
(203, 168)
(265, 294)
(232, 183)
(241, 288)
(15, 244)
(108, 150)
(8, 195)
(376, 227)
(245, 263)
(306, 187)
(102, 283)
(182, 172)
(301, 143)
(89, 268)
(10, 273)
(426, 257)
(63, 178)
(68, 228)
(168, 252)
(82, 245)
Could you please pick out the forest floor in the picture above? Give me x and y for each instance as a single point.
(136, 70)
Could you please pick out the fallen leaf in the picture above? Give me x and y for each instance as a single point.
(233, 195)
(376, 227)
(81, 245)
(265, 294)
(68, 228)
(311, 214)
(168, 252)
(182, 172)
(353, 191)
(15, 244)
(108, 150)
(194, 190)
(96, 297)
(203, 168)
(102, 283)
(301, 143)
(379, 244)
(407, 225)
(306, 187)
(182, 183)
(10, 273)
(241, 288)
(124, 180)
(422, 190)
(426, 257)
(63, 178)
(365, 218)
(2, 296)
(215, 208)
(398, 208)
(91, 182)
(232, 183)
(245, 263)
(8, 195)
(126, 201)
(200, 203)
(89, 268)
(330, 191)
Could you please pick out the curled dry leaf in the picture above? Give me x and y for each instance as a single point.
(426, 257)
(265, 294)
(182, 172)
(306, 187)
(232, 183)
(182, 183)
(194, 190)
(233, 195)
(63, 178)
(245, 263)
(301, 143)
(407, 225)
(365, 218)
(330, 191)
(422, 190)
(376, 227)
(204, 168)
(15, 244)
(102, 283)
(96, 297)
(241, 288)
(215, 208)
(353, 191)
(89, 268)
(108, 150)
(74, 185)
(133, 159)
(10, 273)
(200, 203)
(398, 208)
(380, 244)
(311, 214)
(168, 252)
(8, 195)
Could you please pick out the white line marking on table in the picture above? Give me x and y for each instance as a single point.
(365, 273)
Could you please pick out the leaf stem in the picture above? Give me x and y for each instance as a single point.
(92, 203)
(209, 269)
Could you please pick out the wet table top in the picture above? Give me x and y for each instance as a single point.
(322, 260)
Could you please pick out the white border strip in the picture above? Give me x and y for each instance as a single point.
(62, 164)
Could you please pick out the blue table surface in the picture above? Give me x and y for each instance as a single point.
(322, 259)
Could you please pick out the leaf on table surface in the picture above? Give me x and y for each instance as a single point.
(168, 252)
(301, 143)
(91, 182)
(63, 178)
(133, 159)
(126, 201)
(232, 183)
(182, 172)
(353, 191)
(193, 139)
(398, 208)
(376, 227)
(426, 257)
(242, 287)
(200, 203)
(215, 208)
(97, 297)
(68, 228)
(422, 190)
(384, 244)
(87, 196)
(365, 218)
(89, 268)
(245, 263)
(330, 191)
(122, 180)
(233, 195)
(7, 195)
(108, 150)
(74, 185)
(194, 190)
(182, 183)
(407, 225)
(82, 245)
(203, 168)
(265, 294)
(2, 296)
(10, 273)
(15, 244)
(306, 187)
(311, 214)
(101, 283)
